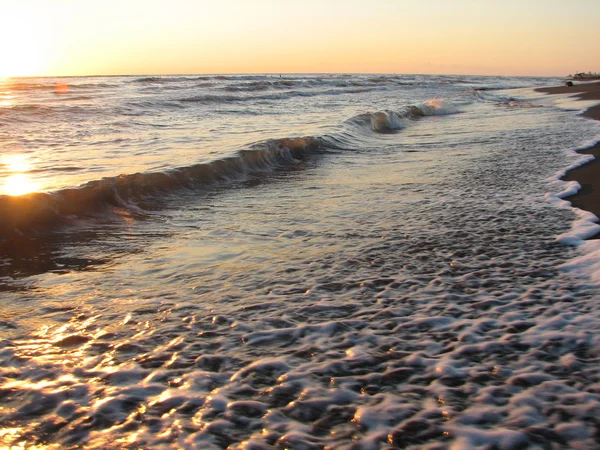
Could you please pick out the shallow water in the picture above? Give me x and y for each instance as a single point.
(403, 291)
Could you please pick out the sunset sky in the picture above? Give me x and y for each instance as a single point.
(90, 37)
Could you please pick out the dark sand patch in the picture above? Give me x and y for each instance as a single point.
(588, 175)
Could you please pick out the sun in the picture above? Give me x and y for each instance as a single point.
(24, 40)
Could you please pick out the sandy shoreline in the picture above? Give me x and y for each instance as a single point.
(588, 175)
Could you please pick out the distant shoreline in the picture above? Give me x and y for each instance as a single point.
(583, 77)
(588, 175)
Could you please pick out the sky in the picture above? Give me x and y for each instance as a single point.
(122, 37)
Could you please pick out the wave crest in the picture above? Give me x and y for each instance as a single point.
(44, 210)
(388, 121)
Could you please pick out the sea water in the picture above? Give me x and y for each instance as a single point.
(303, 262)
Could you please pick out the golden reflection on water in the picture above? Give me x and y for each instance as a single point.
(68, 345)
(13, 434)
(5, 101)
(18, 182)
(16, 163)
(6, 97)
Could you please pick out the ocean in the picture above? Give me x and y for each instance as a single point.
(294, 261)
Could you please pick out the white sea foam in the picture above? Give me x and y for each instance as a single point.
(585, 226)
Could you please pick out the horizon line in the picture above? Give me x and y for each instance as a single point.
(166, 74)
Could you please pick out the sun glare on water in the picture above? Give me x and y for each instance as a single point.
(17, 181)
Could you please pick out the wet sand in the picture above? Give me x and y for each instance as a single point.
(588, 175)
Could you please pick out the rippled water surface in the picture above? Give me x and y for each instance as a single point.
(362, 275)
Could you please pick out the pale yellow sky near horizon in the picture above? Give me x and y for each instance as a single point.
(112, 37)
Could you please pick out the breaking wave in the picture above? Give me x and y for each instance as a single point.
(392, 121)
(37, 211)
(43, 211)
